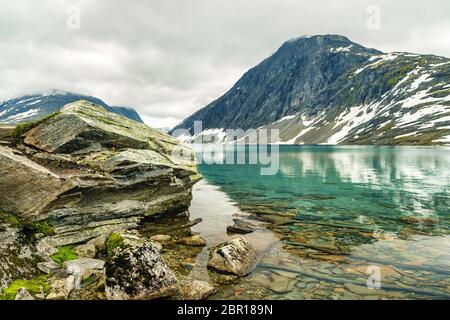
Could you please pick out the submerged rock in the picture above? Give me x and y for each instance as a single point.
(281, 284)
(138, 273)
(192, 241)
(161, 237)
(196, 290)
(236, 257)
(90, 172)
(241, 227)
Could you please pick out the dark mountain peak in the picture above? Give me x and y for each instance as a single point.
(320, 38)
(328, 44)
(285, 83)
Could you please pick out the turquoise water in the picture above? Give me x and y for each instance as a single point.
(340, 208)
(376, 186)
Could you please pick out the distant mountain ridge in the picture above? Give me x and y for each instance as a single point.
(329, 90)
(35, 106)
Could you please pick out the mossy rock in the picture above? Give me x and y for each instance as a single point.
(34, 286)
(10, 219)
(29, 227)
(114, 241)
(64, 254)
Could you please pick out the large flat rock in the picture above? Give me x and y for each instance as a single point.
(87, 171)
(84, 126)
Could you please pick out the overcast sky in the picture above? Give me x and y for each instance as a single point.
(168, 58)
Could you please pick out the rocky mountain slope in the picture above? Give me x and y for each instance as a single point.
(33, 107)
(330, 90)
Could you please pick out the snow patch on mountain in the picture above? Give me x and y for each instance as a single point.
(22, 116)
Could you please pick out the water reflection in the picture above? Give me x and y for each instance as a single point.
(375, 180)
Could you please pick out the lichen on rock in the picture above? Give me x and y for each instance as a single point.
(236, 257)
(138, 272)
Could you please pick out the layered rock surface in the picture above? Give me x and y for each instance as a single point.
(88, 172)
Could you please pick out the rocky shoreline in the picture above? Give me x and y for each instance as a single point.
(75, 191)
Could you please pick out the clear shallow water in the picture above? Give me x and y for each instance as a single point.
(334, 212)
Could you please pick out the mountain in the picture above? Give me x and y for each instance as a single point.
(327, 89)
(36, 106)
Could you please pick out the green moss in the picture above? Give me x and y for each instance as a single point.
(114, 241)
(44, 227)
(65, 253)
(33, 286)
(10, 219)
(22, 128)
(30, 228)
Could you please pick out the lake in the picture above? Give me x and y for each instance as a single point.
(335, 222)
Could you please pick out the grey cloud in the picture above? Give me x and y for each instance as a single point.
(170, 58)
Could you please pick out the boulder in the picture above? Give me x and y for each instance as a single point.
(23, 294)
(89, 172)
(84, 268)
(236, 257)
(138, 272)
(60, 287)
(161, 238)
(118, 241)
(99, 243)
(86, 250)
(49, 267)
(192, 241)
(45, 249)
(240, 227)
(196, 290)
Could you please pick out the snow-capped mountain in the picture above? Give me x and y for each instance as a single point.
(35, 106)
(330, 90)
